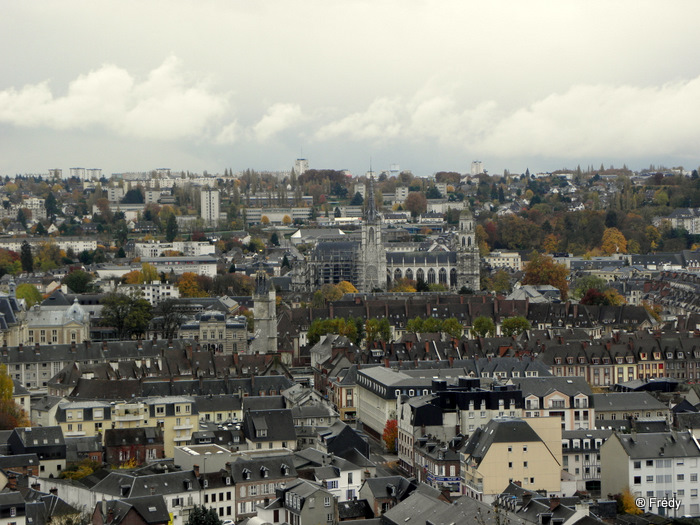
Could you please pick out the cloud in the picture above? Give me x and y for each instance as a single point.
(586, 120)
(164, 106)
(277, 118)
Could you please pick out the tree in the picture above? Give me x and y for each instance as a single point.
(416, 203)
(404, 285)
(22, 216)
(148, 273)
(128, 316)
(613, 242)
(452, 327)
(29, 293)
(48, 256)
(274, 239)
(169, 318)
(201, 515)
(514, 326)
(357, 200)
(501, 282)
(483, 326)
(79, 281)
(286, 220)
(171, 228)
(626, 503)
(26, 257)
(390, 434)
(346, 287)
(542, 269)
(189, 286)
(11, 414)
(265, 220)
(51, 205)
(377, 329)
(586, 283)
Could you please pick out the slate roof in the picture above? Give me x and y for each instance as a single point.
(152, 509)
(498, 431)
(543, 386)
(129, 485)
(630, 401)
(654, 445)
(278, 424)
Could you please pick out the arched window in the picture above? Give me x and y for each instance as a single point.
(442, 276)
(371, 236)
(469, 241)
(397, 274)
(453, 277)
(420, 275)
(464, 241)
(409, 274)
(431, 276)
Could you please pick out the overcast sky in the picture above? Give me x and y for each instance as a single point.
(428, 85)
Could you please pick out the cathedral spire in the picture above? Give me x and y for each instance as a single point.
(371, 210)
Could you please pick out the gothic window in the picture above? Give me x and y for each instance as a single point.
(443, 276)
(371, 235)
(469, 241)
(397, 274)
(453, 277)
(431, 276)
(420, 275)
(409, 274)
(464, 241)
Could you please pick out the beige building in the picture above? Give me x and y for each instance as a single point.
(508, 450)
(215, 330)
(57, 324)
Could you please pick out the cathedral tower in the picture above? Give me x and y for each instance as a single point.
(372, 254)
(467, 253)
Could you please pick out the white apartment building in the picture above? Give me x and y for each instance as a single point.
(661, 465)
(510, 260)
(210, 205)
(203, 265)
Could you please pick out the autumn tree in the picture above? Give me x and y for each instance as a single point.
(403, 285)
(416, 203)
(626, 503)
(586, 283)
(542, 269)
(48, 256)
(11, 414)
(286, 220)
(346, 287)
(483, 326)
(9, 262)
(188, 286)
(171, 228)
(613, 242)
(514, 326)
(390, 434)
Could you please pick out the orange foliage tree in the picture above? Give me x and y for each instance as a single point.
(11, 414)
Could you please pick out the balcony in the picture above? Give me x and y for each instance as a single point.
(182, 438)
(474, 485)
(129, 417)
(184, 426)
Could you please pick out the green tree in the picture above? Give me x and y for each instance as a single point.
(79, 281)
(357, 200)
(452, 327)
(377, 329)
(588, 282)
(171, 228)
(432, 325)
(51, 205)
(22, 217)
(483, 326)
(415, 325)
(26, 257)
(169, 318)
(201, 515)
(514, 326)
(127, 315)
(29, 293)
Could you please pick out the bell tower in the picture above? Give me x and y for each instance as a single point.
(467, 253)
(372, 254)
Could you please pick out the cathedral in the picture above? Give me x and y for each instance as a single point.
(371, 266)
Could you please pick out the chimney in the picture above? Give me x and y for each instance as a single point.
(53, 491)
(12, 482)
(452, 361)
(73, 349)
(195, 468)
(105, 348)
(386, 362)
(110, 515)
(553, 503)
(36, 348)
(36, 486)
(20, 347)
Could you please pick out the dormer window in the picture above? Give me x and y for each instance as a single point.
(596, 360)
(582, 360)
(246, 473)
(557, 360)
(261, 433)
(657, 355)
(669, 355)
(618, 360)
(264, 472)
(570, 360)
(228, 480)
(642, 355)
(285, 470)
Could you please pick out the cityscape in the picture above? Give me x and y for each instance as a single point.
(378, 263)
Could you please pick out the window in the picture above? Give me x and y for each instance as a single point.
(637, 464)
(680, 477)
(329, 518)
(694, 477)
(524, 464)
(326, 501)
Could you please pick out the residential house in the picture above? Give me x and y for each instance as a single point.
(628, 406)
(661, 465)
(563, 397)
(46, 442)
(124, 445)
(269, 429)
(145, 510)
(383, 493)
(581, 456)
(508, 450)
(302, 502)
